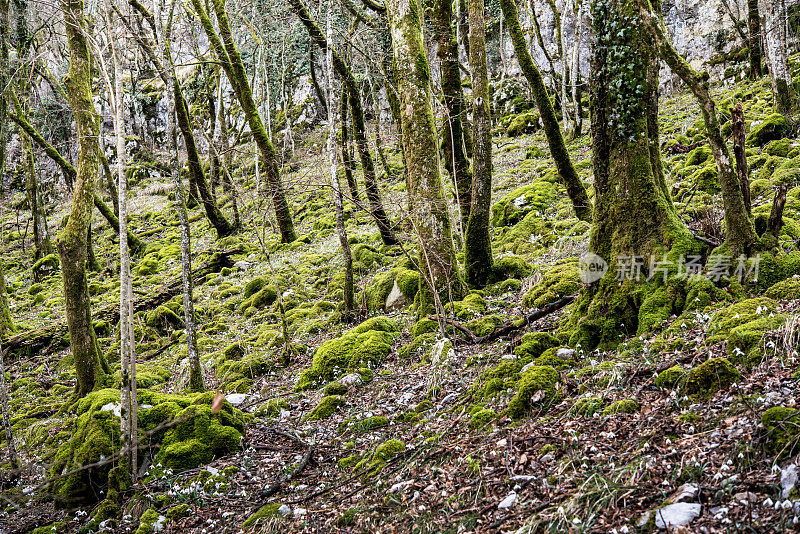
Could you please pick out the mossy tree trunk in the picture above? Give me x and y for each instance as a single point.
(773, 26)
(72, 242)
(633, 215)
(347, 157)
(429, 213)
(477, 241)
(740, 232)
(455, 156)
(558, 149)
(754, 38)
(227, 53)
(359, 128)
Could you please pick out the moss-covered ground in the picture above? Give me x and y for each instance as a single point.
(408, 431)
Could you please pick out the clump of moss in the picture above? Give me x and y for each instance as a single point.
(325, 408)
(178, 511)
(536, 386)
(335, 388)
(558, 281)
(709, 377)
(253, 286)
(147, 266)
(424, 326)
(783, 431)
(262, 298)
(151, 521)
(380, 456)
(670, 378)
(510, 266)
(268, 511)
(371, 423)
(472, 306)
(622, 406)
(587, 406)
(363, 346)
(485, 325)
(522, 123)
(699, 155)
(163, 319)
(533, 344)
(481, 418)
(774, 126)
(515, 205)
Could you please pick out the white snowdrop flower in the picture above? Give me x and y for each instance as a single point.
(576, 521)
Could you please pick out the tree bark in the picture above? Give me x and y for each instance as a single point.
(737, 118)
(228, 55)
(558, 149)
(72, 242)
(347, 156)
(773, 26)
(429, 213)
(359, 129)
(455, 157)
(477, 241)
(754, 40)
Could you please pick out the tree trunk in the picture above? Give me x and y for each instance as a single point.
(455, 157)
(359, 128)
(72, 243)
(754, 41)
(773, 24)
(41, 237)
(12, 450)
(575, 70)
(228, 55)
(573, 184)
(740, 232)
(347, 157)
(338, 201)
(429, 214)
(323, 102)
(477, 241)
(737, 118)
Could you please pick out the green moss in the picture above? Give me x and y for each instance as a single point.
(260, 299)
(254, 286)
(510, 266)
(326, 407)
(706, 179)
(522, 123)
(178, 511)
(482, 418)
(699, 155)
(147, 266)
(381, 455)
(472, 306)
(536, 386)
(335, 388)
(46, 265)
(424, 326)
(163, 319)
(550, 357)
(485, 325)
(622, 406)
(709, 377)
(268, 511)
(774, 126)
(670, 378)
(348, 461)
(148, 521)
(515, 205)
(785, 290)
(778, 147)
(363, 346)
(533, 344)
(558, 281)
(783, 431)
(587, 406)
(371, 423)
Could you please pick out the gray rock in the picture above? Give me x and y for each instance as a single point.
(788, 480)
(678, 514)
(241, 265)
(353, 379)
(396, 300)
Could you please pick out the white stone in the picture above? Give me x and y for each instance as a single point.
(565, 353)
(353, 379)
(678, 514)
(114, 407)
(241, 265)
(396, 300)
(235, 398)
(284, 510)
(788, 480)
(685, 493)
(508, 502)
(299, 512)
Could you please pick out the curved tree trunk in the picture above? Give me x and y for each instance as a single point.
(477, 241)
(569, 177)
(72, 243)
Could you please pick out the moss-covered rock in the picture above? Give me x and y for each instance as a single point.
(587, 406)
(151, 521)
(471, 306)
(265, 513)
(485, 325)
(522, 123)
(326, 407)
(380, 456)
(778, 147)
(788, 289)
(46, 266)
(782, 425)
(773, 127)
(253, 286)
(558, 281)
(510, 266)
(699, 155)
(709, 377)
(335, 388)
(536, 386)
(670, 378)
(363, 346)
(481, 418)
(621, 406)
(515, 205)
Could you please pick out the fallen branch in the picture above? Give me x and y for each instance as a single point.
(276, 486)
(510, 327)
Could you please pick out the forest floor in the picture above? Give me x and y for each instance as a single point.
(423, 438)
